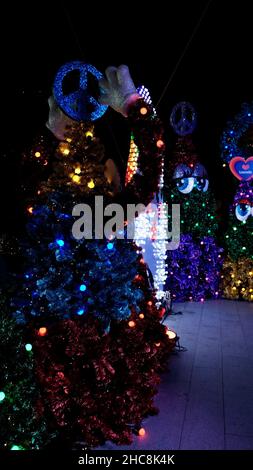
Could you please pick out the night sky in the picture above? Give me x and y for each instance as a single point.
(215, 74)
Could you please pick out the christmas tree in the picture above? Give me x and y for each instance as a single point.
(194, 267)
(236, 144)
(86, 304)
(21, 419)
(151, 225)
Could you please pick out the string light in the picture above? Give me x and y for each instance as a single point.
(42, 331)
(37, 154)
(91, 184)
(141, 316)
(171, 334)
(30, 209)
(78, 170)
(2, 396)
(81, 311)
(142, 432)
(131, 324)
(64, 148)
(82, 288)
(143, 111)
(89, 134)
(28, 347)
(76, 178)
(110, 246)
(132, 161)
(60, 242)
(160, 144)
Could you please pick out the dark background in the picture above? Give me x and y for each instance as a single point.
(215, 74)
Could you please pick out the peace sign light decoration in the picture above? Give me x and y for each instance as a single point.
(183, 118)
(79, 104)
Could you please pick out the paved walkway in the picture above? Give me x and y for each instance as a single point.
(206, 399)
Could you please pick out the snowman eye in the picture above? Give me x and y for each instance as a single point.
(185, 185)
(242, 211)
(202, 184)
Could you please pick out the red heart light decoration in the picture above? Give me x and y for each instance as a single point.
(241, 168)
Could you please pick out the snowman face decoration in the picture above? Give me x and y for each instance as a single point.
(187, 178)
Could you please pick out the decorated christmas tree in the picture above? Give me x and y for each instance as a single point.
(22, 422)
(237, 273)
(195, 266)
(85, 301)
(152, 224)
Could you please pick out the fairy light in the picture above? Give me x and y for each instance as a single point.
(42, 331)
(91, 184)
(131, 324)
(171, 334)
(64, 148)
(37, 154)
(89, 134)
(143, 111)
(76, 178)
(132, 165)
(142, 432)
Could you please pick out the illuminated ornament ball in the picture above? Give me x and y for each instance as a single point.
(79, 104)
(183, 118)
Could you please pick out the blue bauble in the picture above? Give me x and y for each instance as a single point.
(79, 104)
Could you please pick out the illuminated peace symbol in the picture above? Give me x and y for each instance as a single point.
(79, 104)
(183, 118)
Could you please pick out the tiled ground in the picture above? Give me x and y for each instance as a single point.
(206, 399)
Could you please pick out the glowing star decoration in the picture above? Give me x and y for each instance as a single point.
(183, 118)
(79, 104)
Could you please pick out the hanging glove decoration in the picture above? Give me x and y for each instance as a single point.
(117, 89)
